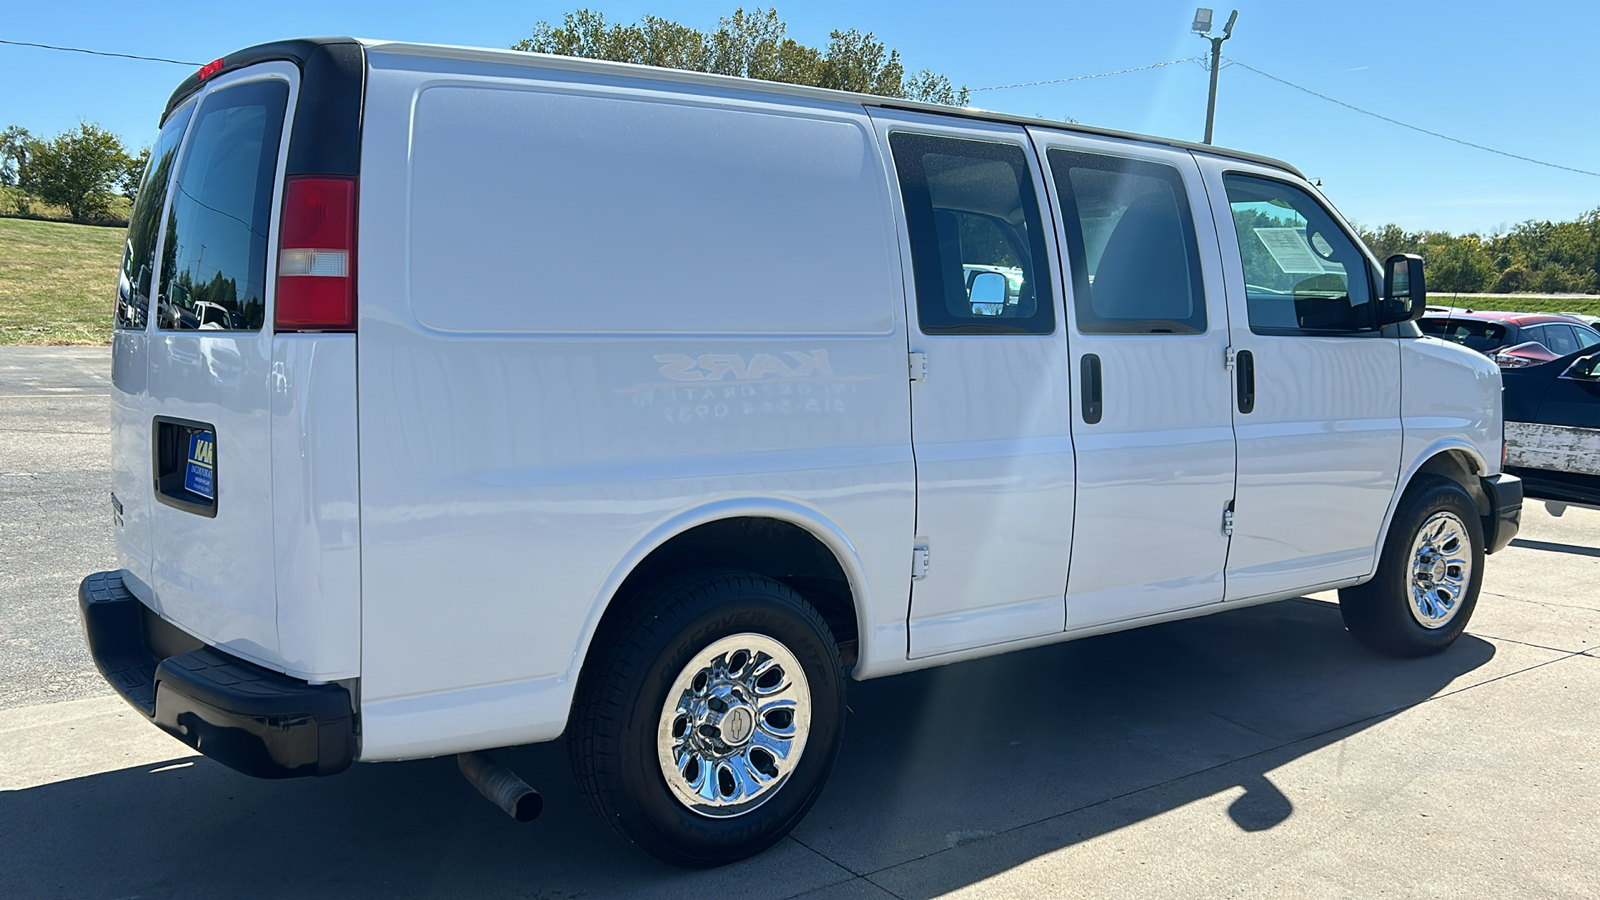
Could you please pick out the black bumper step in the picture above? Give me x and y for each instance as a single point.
(249, 718)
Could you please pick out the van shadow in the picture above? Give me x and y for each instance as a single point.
(931, 760)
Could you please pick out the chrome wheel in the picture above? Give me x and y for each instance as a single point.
(734, 725)
(1441, 569)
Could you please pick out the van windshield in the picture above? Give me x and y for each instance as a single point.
(214, 262)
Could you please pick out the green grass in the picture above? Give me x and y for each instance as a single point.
(1589, 306)
(13, 202)
(57, 281)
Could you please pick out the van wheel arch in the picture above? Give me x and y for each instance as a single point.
(1458, 466)
(776, 548)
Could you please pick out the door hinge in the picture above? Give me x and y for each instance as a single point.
(1229, 357)
(919, 563)
(919, 367)
(1227, 520)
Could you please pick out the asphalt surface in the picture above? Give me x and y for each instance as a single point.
(1255, 753)
(55, 516)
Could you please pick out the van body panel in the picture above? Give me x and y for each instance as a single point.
(316, 521)
(494, 530)
(215, 574)
(674, 167)
(1450, 403)
(1155, 472)
(130, 455)
(1451, 400)
(536, 709)
(993, 441)
(1320, 453)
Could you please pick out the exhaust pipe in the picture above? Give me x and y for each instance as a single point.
(500, 786)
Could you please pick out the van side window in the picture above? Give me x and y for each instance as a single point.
(214, 262)
(1131, 242)
(971, 209)
(1302, 273)
(144, 223)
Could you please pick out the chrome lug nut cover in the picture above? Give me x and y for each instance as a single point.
(733, 725)
(1441, 569)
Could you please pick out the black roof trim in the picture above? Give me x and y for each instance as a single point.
(326, 136)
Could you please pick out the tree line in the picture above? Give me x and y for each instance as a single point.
(1532, 257)
(83, 170)
(749, 45)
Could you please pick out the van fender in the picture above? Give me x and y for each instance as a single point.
(1438, 447)
(787, 510)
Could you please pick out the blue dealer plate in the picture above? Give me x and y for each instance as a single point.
(199, 474)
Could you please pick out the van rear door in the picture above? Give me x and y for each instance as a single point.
(210, 374)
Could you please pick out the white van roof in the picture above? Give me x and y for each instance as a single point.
(794, 91)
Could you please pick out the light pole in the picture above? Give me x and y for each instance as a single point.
(1202, 27)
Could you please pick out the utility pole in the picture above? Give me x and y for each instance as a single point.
(1202, 27)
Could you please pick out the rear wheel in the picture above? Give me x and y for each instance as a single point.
(1428, 576)
(708, 718)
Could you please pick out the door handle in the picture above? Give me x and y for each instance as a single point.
(1245, 367)
(1091, 388)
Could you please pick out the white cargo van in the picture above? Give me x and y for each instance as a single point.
(470, 398)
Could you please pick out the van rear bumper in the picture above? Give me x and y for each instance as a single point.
(251, 719)
(1505, 510)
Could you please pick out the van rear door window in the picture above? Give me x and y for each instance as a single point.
(144, 222)
(214, 262)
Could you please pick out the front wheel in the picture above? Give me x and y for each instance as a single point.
(708, 717)
(1428, 575)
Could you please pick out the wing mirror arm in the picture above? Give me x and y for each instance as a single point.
(1405, 290)
(1584, 368)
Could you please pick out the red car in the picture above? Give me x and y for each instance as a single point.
(1491, 332)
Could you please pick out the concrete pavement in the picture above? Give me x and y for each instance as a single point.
(1256, 753)
(55, 515)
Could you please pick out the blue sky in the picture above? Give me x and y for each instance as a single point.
(1517, 77)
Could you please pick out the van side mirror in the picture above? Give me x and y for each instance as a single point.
(988, 293)
(1584, 368)
(1405, 291)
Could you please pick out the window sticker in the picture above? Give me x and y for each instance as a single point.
(1290, 251)
(197, 475)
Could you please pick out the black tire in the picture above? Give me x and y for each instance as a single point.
(1380, 613)
(612, 735)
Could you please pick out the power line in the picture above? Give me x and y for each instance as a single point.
(1159, 65)
(176, 62)
(1393, 121)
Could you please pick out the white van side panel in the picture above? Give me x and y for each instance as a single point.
(524, 436)
(316, 522)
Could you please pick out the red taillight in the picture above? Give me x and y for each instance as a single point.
(317, 255)
(211, 68)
